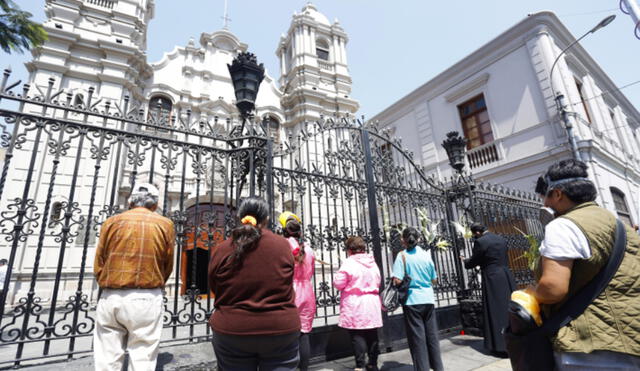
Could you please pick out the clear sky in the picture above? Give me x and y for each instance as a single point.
(394, 46)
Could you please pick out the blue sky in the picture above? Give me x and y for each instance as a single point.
(394, 46)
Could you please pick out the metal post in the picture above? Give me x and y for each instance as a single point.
(573, 144)
(269, 176)
(374, 223)
(456, 246)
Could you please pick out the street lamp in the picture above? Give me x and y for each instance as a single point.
(456, 147)
(246, 75)
(559, 98)
(461, 194)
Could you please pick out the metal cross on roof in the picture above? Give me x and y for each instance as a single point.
(225, 17)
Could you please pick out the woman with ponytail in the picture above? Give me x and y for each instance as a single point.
(255, 322)
(302, 274)
(419, 309)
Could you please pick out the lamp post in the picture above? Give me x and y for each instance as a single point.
(246, 75)
(559, 98)
(461, 187)
(456, 147)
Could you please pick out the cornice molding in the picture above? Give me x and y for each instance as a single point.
(544, 22)
(468, 87)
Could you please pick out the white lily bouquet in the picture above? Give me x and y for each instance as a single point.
(463, 229)
(430, 231)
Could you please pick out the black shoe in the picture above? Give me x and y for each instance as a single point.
(499, 354)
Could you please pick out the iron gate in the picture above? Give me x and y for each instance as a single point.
(69, 164)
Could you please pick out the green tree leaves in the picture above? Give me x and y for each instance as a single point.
(17, 31)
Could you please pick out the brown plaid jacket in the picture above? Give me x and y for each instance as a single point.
(135, 250)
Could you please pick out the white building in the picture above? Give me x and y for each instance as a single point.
(96, 51)
(500, 98)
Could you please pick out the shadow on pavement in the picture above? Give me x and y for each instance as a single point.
(395, 366)
(164, 359)
(476, 344)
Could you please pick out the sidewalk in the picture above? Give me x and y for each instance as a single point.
(459, 353)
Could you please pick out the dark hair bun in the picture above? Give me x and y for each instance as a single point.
(411, 237)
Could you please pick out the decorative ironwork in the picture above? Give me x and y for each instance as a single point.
(70, 165)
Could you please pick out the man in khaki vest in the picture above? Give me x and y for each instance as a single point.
(577, 244)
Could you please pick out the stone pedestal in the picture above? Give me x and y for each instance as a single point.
(470, 313)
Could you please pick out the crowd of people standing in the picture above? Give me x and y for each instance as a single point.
(264, 297)
(265, 303)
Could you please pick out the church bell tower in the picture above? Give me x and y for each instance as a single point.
(97, 44)
(315, 77)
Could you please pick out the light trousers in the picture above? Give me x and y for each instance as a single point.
(128, 320)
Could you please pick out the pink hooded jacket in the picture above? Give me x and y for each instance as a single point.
(305, 297)
(359, 283)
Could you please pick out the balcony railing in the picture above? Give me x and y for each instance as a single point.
(483, 155)
(325, 66)
(103, 3)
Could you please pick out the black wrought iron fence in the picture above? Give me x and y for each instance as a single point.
(71, 164)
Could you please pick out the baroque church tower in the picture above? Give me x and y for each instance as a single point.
(94, 43)
(315, 77)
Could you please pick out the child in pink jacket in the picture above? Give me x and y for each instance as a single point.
(302, 273)
(360, 308)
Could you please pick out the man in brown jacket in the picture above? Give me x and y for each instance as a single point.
(133, 261)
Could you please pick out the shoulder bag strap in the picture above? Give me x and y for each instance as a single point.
(573, 308)
(404, 263)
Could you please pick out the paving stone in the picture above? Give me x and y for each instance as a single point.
(459, 353)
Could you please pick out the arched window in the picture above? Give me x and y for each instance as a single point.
(78, 101)
(56, 211)
(322, 49)
(160, 109)
(621, 205)
(272, 125)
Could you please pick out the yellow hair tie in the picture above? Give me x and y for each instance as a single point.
(249, 220)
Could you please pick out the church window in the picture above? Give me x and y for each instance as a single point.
(475, 122)
(621, 205)
(273, 128)
(78, 101)
(160, 109)
(322, 49)
(56, 211)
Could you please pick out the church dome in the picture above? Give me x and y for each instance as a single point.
(313, 12)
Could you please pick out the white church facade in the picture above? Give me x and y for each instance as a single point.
(500, 98)
(96, 56)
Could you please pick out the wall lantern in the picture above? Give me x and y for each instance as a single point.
(456, 147)
(246, 75)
